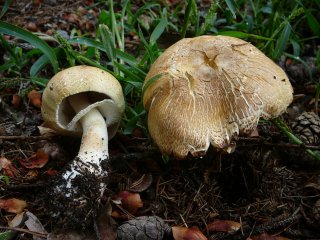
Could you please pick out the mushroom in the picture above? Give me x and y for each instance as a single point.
(208, 90)
(83, 101)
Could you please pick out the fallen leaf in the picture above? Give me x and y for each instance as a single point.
(13, 205)
(31, 175)
(51, 172)
(35, 98)
(128, 200)
(16, 100)
(226, 226)
(183, 233)
(8, 168)
(34, 225)
(37, 160)
(142, 183)
(18, 220)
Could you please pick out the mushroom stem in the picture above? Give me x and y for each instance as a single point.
(94, 142)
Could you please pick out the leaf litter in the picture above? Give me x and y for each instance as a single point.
(270, 191)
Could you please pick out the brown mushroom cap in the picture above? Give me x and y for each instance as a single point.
(99, 87)
(211, 89)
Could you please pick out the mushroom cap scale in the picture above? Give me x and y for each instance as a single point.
(101, 88)
(211, 89)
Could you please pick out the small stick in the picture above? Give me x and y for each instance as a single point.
(260, 141)
(31, 138)
(44, 235)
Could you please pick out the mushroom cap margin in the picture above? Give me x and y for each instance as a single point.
(211, 89)
(75, 80)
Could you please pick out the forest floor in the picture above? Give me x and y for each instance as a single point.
(267, 185)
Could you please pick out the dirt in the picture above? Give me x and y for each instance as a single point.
(268, 184)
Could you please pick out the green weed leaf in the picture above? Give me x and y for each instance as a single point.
(5, 235)
(9, 29)
(313, 23)
(282, 42)
(150, 82)
(5, 8)
(232, 8)
(159, 28)
(238, 34)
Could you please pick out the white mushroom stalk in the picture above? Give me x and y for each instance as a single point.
(94, 142)
(87, 102)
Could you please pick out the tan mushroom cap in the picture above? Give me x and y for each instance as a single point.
(98, 86)
(211, 89)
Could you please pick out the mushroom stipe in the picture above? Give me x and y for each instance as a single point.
(82, 101)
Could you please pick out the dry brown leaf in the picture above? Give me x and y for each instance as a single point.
(183, 233)
(35, 98)
(51, 172)
(142, 183)
(13, 205)
(8, 168)
(37, 160)
(129, 201)
(16, 100)
(226, 226)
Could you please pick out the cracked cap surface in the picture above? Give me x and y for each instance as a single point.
(211, 89)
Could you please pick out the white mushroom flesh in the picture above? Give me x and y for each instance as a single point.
(94, 143)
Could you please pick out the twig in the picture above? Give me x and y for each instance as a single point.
(44, 235)
(31, 138)
(260, 141)
(271, 226)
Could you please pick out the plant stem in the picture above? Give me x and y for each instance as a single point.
(285, 129)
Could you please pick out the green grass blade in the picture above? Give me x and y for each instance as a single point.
(127, 58)
(159, 28)
(316, 98)
(38, 65)
(40, 81)
(5, 8)
(87, 42)
(232, 8)
(282, 42)
(7, 65)
(147, 46)
(210, 18)
(7, 47)
(150, 82)
(285, 129)
(313, 23)
(187, 17)
(5, 235)
(9, 29)
(134, 78)
(107, 41)
(238, 34)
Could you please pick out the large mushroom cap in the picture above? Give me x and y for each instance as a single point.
(209, 89)
(101, 89)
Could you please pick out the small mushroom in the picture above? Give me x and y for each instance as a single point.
(208, 90)
(84, 101)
